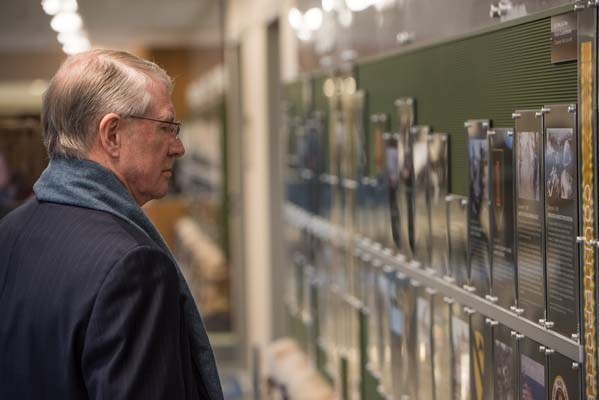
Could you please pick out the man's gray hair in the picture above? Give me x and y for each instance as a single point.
(88, 86)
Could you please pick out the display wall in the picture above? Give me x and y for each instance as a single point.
(370, 294)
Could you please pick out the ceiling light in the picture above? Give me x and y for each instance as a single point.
(296, 20)
(358, 5)
(346, 17)
(328, 5)
(79, 45)
(66, 22)
(51, 7)
(313, 18)
(304, 35)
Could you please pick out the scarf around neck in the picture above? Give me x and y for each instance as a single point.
(86, 184)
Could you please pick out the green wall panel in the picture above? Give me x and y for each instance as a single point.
(484, 76)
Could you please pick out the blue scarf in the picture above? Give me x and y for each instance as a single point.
(83, 183)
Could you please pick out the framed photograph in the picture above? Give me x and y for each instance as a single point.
(533, 374)
(457, 236)
(503, 279)
(408, 378)
(421, 223)
(479, 216)
(565, 378)
(530, 213)
(438, 189)
(561, 211)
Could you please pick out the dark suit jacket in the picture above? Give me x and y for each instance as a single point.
(89, 308)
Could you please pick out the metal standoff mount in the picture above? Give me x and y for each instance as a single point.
(492, 299)
(491, 322)
(469, 310)
(516, 310)
(572, 108)
(448, 300)
(549, 324)
(516, 115)
(468, 288)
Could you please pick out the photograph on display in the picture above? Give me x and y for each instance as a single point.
(561, 208)
(502, 208)
(457, 235)
(504, 379)
(438, 158)
(381, 198)
(373, 303)
(460, 345)
(442, 362)
(424, 348)
(565, 382)
(532, 371)
(482, 357)
(560, 166)
(422, 230)
(530, 217)
(479, 226)
(337, 143)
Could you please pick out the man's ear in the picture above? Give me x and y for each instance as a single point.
(109, 134)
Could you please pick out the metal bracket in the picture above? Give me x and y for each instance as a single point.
(575, 366)
(510, 132)
(545, 110)
(593, 3)
(549, 324)
(579, 6)
(449, 198)
(491, 322)
(542, 322)
(548, 351)
(516, 115)
(415, 283)
(431, 291)
(572, 108)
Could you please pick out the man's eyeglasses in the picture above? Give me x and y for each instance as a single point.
(173, 127)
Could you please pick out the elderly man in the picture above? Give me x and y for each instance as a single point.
(92, 303)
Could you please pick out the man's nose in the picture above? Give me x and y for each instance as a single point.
(177, 149)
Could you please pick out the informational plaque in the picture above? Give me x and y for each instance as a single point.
(481, 342)
(565, 378)
(424, 364)
(408, 376)
(532, 370)
(479, 216)
(406, 117)
(393, 186)
(530, 213)
(504, 362)
(502, 209)
(438, 180)
(385, 355)
(421, 227)
(561, 210)
(399, 368)
(376, 320)
(457, 234)
(380, 195)
(460, 347)
(442, 362)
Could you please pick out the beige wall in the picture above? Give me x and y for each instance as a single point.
(246, 24)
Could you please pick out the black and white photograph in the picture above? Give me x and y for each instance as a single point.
(438, 188)
(422, 235)
(457, 234)
(442, 362)
(532, 370)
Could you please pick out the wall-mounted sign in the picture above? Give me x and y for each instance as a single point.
(563, 37)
